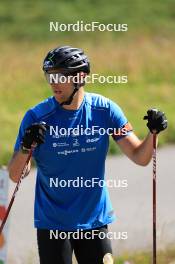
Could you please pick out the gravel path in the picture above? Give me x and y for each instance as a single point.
(132, 205)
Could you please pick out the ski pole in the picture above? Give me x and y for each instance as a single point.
(154, 199)
(17, 187)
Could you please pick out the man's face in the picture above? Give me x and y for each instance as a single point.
(63, 87)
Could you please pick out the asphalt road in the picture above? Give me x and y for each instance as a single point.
(132, 205)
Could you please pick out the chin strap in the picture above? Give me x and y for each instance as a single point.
(71, 97)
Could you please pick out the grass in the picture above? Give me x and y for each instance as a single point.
(144, 53)
(29, 20)
(144, 60)
(164, 256)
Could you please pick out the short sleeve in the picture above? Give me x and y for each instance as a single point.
(26, 122)
(118, 122)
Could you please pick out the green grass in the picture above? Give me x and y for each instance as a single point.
(164, 256)
(144, 53)
(149, 65)
(29, 20)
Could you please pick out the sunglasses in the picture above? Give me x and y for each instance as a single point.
(56, 77)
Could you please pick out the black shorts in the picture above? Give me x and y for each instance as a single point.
(56, 247)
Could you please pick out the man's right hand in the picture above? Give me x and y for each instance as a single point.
(34, 134)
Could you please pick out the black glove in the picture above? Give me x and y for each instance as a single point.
(157, 120)
(34, 133)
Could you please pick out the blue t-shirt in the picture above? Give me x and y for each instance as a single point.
(70, 157)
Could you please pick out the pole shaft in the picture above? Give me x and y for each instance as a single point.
(154, 200)
(15, 191)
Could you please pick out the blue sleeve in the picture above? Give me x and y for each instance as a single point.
(119, 122)
(28, 120)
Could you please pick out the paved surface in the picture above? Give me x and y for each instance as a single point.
(133, 206)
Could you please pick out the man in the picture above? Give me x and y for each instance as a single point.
(62, 158)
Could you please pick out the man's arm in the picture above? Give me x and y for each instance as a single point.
(141, 151)
(34, 134)
(16, 166)
(138, 151)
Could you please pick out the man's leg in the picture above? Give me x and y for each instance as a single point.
(92, 251)
(53, 251)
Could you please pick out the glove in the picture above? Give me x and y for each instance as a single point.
(34, 133)
(157, 120)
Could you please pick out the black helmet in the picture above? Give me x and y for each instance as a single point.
(70, 60)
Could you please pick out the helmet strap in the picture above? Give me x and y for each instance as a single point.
(71, 97)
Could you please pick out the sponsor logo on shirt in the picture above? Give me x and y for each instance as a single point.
(92, 140)
(63, 144)
(75, 142)
(88, 149)
(67, 152)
